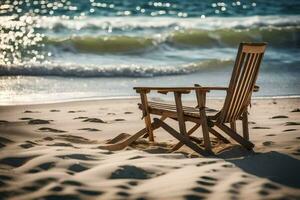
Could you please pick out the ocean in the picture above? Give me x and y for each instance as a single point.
(69, 50)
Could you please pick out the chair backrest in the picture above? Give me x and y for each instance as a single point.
(242, 81)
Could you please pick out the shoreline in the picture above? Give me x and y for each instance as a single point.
(87, 99)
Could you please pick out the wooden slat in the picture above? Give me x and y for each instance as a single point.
(254, 49)
(240, 88)
(235, 73)
(234, 89)
(246, 87)
(180, 113)
(247, 97)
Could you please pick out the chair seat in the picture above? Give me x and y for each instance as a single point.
(162, 108)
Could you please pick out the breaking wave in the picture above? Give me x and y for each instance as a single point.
(276, 37)
(75, 70)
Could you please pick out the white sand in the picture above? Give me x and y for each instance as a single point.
(60, 161)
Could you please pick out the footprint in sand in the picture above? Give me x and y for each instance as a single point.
(48, 138)
(111, 113)
(123, 194)
(297, 153)
(52, 130)
(133, 183)
(239, 184)
(4, 141)
(76, 139)
(127, 113)
(77, 168)
(39, 121)
(26, 145)
(46, 165)
(270, 186)
(260, 127)
(57, 189)
(193, 197)
(268, 143)
(77, 157)
(61, 197)
(298, 138)
(296, 110)
(228, 165)
(270, 135)
(90, 192)
(3, 180)
(25, 118)
(263, 193)
(76, 111)
(206, 183)
(80, 118)
(202, 190)
(206, 163)
(54, 110)
(15, 161)
(60, 144)
(42, 167)
(279, 117)
(251, 122)
(29, 111)
(292, 123)
(288, 130)
(73, 183)
(3, 122)
(94, 120)
(130, 172)
(119, 120)
(124, 187)
(89, 129)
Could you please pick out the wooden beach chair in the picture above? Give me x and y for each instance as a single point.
(237, 100)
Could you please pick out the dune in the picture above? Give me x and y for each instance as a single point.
(53, 151)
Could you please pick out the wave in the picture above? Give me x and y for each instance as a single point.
(102, 44)
(112, 24)
(276, 37)
(75, 70)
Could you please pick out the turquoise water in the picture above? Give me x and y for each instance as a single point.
(61, 50)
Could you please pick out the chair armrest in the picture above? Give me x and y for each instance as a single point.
(165, 90)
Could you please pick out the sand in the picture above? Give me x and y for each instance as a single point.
(52, 151)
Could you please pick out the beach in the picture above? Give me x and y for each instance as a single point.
(53, 151)
(67, 73)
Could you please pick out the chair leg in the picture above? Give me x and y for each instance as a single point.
(201, 98)
(182, 138)
(147, 116)
(180, 114)
(245, 125)
(233, 126)
(247, 144)
(121, 145)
